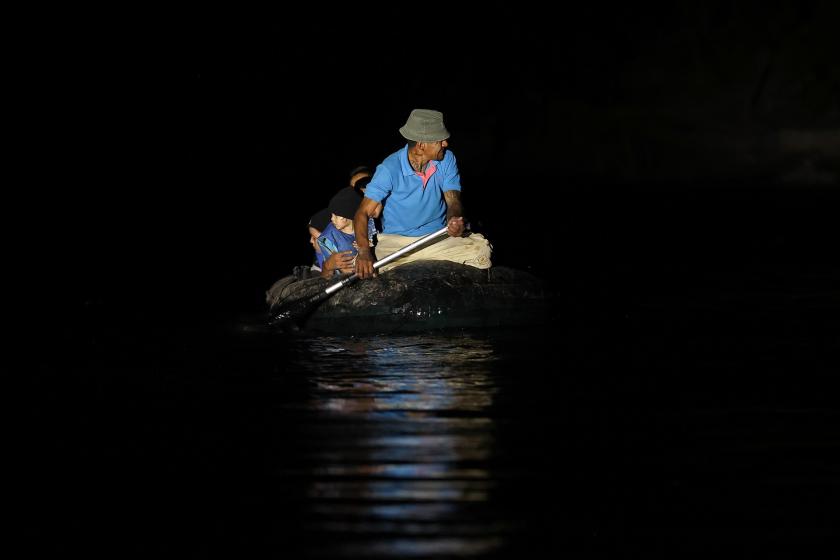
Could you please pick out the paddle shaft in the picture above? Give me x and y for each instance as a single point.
(393, 256)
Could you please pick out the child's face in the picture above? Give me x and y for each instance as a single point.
(340, 223)
(313, 238)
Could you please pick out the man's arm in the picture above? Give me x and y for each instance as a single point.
(454, 213)
(364, 259)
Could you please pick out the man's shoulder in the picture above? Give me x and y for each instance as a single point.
(387, 174)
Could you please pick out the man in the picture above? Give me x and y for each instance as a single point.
(420, 188)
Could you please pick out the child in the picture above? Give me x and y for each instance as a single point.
(338, 238)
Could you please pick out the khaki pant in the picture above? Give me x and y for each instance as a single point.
(473, 250)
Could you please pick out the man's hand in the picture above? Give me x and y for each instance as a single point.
(342, 261)
(364, 259)
(364, 263)
(455, 226)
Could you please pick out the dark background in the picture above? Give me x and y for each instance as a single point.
(192, 146)
(672, 171)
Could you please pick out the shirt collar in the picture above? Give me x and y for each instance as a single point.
(405, 166)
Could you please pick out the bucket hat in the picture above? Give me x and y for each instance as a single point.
(424, 125)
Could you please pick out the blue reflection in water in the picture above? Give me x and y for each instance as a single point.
(400, 439)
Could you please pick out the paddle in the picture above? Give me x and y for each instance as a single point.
(291, 313)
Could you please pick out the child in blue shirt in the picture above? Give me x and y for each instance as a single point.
(338, 237)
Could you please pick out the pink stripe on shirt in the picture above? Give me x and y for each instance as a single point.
(430, 170)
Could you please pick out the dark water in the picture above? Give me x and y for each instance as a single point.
(683, 400)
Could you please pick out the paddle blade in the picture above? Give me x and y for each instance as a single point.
(291, 313)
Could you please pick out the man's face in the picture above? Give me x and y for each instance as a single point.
(435, 150)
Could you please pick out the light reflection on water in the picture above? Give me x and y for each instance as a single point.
(399, 447)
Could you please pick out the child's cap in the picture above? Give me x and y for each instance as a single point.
(320, 219)
(345, 203)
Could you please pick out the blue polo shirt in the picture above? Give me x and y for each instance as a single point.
(409, 207)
